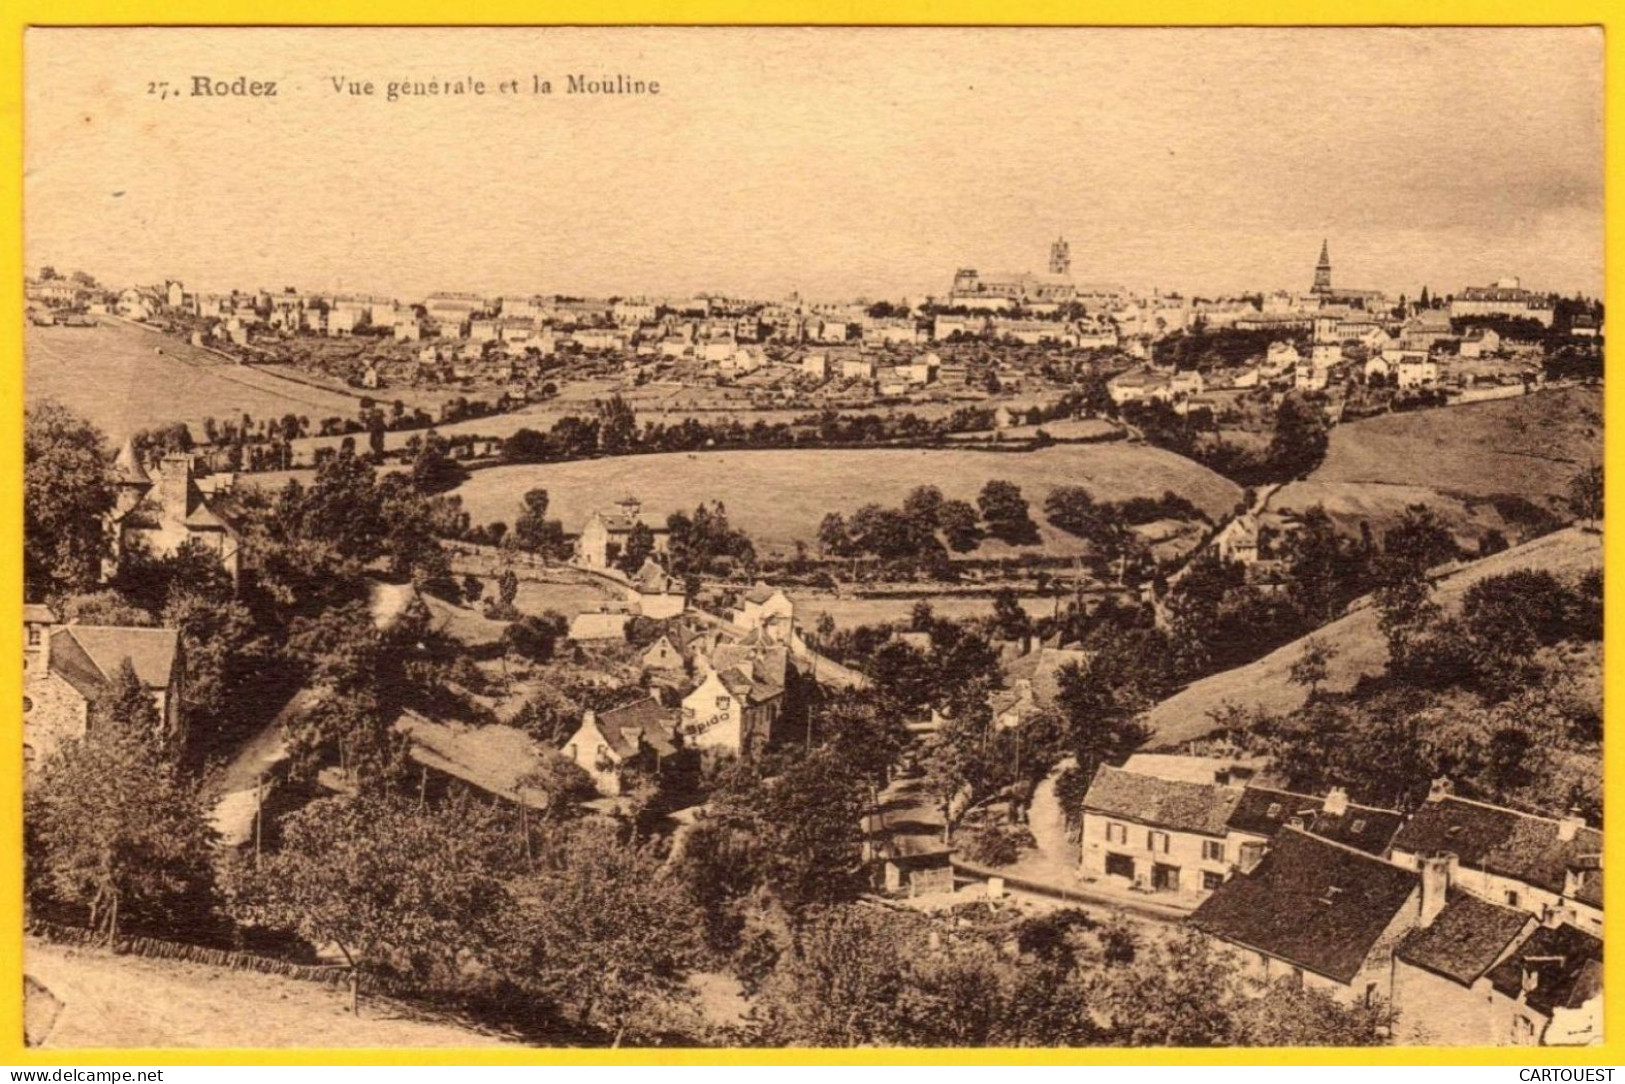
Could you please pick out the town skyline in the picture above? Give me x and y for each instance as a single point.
(1180, 164)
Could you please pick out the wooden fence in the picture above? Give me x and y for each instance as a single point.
(158, 949)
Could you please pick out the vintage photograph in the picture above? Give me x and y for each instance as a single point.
(813, 537)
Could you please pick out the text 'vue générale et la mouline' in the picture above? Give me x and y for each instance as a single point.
(581, 85)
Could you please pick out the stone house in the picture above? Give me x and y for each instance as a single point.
(1520, 860)
(640, 737)
(66, 666)
(1319, 915)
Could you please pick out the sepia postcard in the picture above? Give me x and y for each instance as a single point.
(812, 537)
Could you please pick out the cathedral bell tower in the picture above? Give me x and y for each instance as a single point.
(1060, 257)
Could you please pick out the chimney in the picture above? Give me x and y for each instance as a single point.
(589, 718)
(1554, 915)
(1570, 825)
(174, 483)
(1441, 789)
(1337, 802)
(1251, 855)
(1528, 981)
(1436, 870)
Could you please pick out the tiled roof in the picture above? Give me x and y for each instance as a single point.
(1264, 811)
(494, 758)
(105, 647)
(1163, 803)
(1313, 903)
(1567, 964)
(647, 720)
(1502, 841)
(1466, 938)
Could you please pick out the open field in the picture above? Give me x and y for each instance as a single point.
(113, 375)
(780, 497)
(131, 1001)
(1455, 459)
(1359, 644)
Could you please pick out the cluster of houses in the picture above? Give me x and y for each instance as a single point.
(1475, 923)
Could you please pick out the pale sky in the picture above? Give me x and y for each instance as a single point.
(834, 162)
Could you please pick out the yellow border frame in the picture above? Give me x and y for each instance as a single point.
(19, 14)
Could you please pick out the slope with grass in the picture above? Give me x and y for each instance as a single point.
(1473, 463)
(123, 377)
(1360, 649)
(780, 496)
(103, 1000)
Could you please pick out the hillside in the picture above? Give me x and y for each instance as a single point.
(115, 375)
(1358, 642)
(780, 496)
(1462, 461)
(102, 1000)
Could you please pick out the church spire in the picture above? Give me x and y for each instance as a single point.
(1323, 271)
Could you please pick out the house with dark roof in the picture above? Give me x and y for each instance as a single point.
(637, 738)
(1318, 914)
(66, 667)
(1522, 860)
(1157, 835)
(1264, 811)
(1550, 990)
(736, 704)
(1442, 993)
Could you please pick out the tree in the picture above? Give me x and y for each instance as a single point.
(1012, 621)
(221, 652)
(507, 587)
(640, 544)
(1585, 495)
(1099, 714)
(605, 929)
(1310, 669)
(1299, 442)
(112, 830)
(401, 890)
(957, 521)
(67, 496)
(1005, 512)
(617, 427)
(473, 587)
(433, 469)
(532, 530)
(804, 823)
(535, 637)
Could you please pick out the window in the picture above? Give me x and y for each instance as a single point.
(1274, 811)
(1358, 826)
(1120, 865)
(1157, 841)
(722, 703)
(33, 636)
(1370, 994)
(1213, 850)
(28, 704)
(1211, 880)
(1512, 897)
(1116, 833)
